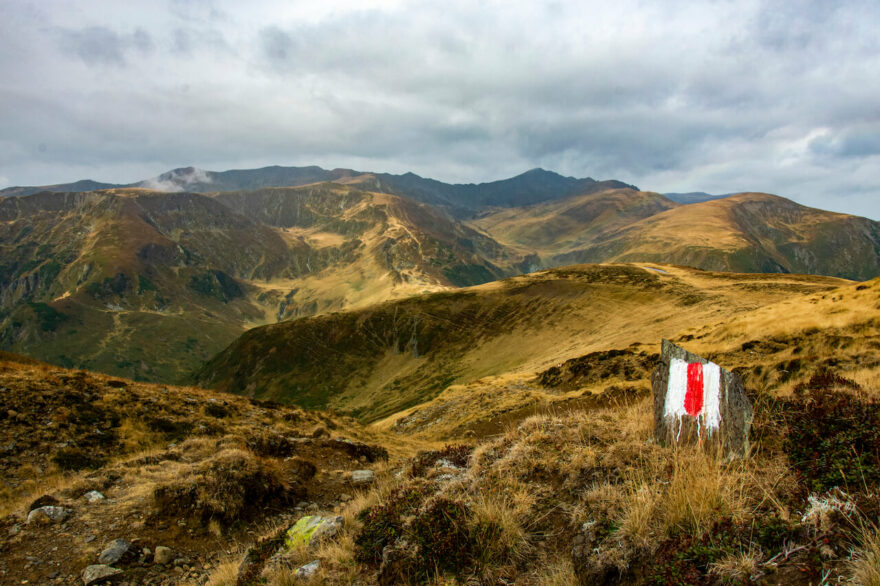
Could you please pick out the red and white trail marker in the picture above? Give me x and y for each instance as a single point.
(694, 390)
(697, 400)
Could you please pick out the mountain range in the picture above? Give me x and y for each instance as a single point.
(530, 187)
(151, 284)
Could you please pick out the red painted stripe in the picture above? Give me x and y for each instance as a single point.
(693, 398)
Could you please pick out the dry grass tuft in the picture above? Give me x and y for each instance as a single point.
(226, 574)
(865, 564)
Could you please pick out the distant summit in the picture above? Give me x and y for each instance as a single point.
(695, 197)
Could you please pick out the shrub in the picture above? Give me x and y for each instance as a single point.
(456, 454)
(230, 486)
(688, 559)
(383, 524)
(77, 459)
(440, 531)
(833, 436)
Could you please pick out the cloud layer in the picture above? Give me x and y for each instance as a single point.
(672, 96)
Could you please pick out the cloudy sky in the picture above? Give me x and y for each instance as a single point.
(777, 96)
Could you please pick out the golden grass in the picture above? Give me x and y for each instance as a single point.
(703, 490)
(225, 574)
(865, 564)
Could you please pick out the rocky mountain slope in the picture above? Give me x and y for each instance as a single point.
(178, 474)
(151, 284)
(380, 360)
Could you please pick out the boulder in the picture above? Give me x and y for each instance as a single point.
(118, 551)
(697, 401)
(101, 574)
(93, 496)
(312, 529)
(163, 555)
(362, 477)
(48, 514)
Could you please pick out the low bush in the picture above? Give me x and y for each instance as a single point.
(233, 485)
(833, 435)
(456, 454)
(77, 459)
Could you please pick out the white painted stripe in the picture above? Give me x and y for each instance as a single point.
(711, 397)
(676, 389)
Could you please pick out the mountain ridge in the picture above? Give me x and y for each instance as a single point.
(530, 187)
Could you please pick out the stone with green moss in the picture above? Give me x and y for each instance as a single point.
(312, 529)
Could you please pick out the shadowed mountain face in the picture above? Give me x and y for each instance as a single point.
(531, 187)
(149, 284)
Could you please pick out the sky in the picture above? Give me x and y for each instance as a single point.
(716, 96)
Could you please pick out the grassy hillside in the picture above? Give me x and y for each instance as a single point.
(748, 232)
(149, 285)
(557, 227)
(380, 360)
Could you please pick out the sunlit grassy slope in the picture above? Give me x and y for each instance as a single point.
(748, 232)
(377, 361)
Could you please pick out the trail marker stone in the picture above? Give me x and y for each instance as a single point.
(697, 401)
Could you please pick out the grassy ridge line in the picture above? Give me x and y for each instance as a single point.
(375, 362)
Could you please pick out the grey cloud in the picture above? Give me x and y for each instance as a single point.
(98, 45)
(671, 96)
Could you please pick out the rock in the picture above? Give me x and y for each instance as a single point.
(101, 574)
(320, 431)
(718, 414)
(344, 497)
(48, 514)
(312, 529)
(163, 555)
(307, 571)
(93, 496)
(362, 477)
(118, 551)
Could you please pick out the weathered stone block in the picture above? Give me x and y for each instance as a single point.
(696, 401)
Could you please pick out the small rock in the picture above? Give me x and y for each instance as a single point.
(319, 432)
(345, 497)
(307, 571)
(100, 573)
(48, 514)
(93, 496)
(312, 529)
(362, 477)
(13, 531)
(163, 555)
(116, 551)
(89, 538)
